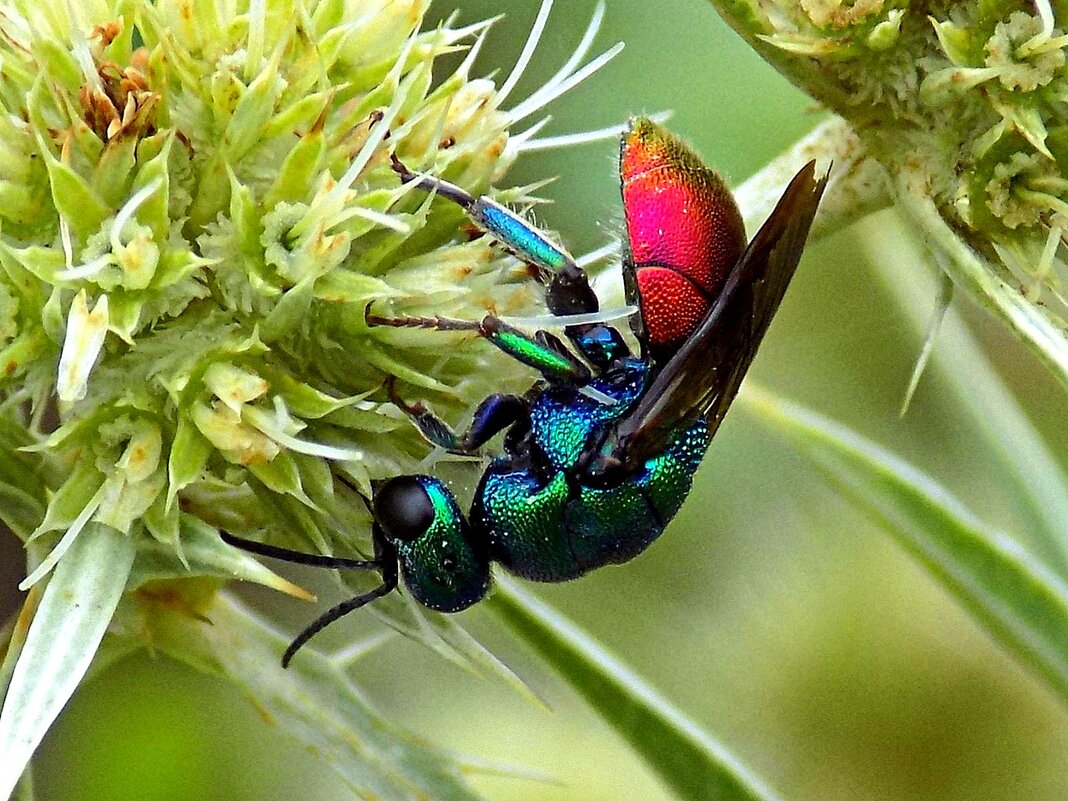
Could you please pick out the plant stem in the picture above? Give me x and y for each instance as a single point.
(1024, 460)
(858, 185)
(687, 759)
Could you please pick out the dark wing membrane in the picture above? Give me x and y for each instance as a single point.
(703, 377)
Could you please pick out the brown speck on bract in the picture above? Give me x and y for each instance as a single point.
(185, 140)
(106, 32)
(263, 712)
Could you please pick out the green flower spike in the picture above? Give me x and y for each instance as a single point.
(196, 208)
(956, 112)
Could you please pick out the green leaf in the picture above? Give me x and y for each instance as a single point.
(254, 109)
(290, 311)
(75, 610)
(189, 454)
(687, 759)
(313, 701)
(298, 171)
(20, 511)
(1021, 603)
(75, 200)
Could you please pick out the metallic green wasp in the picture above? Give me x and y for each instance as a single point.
(599, 454)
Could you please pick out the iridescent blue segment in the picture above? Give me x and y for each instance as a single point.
(564, 418)
(558, 529)
(667, 478)
(547, 525)
(611, 526)
(601, 344)
(518, 235)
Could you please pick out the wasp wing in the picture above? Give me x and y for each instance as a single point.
(704, 375)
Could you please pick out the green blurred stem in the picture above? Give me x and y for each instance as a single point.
(1024, 461)
(1017, 600)
(686, 758)
(860, 187)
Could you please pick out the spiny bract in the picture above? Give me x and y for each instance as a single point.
(197, 205)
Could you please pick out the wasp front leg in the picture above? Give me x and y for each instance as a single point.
(493, 415)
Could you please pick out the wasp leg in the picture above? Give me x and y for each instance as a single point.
(568, 288)
(493, 415)
(388, 585)
(544, 352)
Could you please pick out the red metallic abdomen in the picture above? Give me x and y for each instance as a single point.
(684, 233)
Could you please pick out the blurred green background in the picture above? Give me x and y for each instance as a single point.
(771, 612)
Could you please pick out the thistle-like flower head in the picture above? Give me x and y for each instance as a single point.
(197, 208)
(963, 105)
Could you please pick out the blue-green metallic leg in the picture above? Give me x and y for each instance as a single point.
(543, 352)
(569, 290)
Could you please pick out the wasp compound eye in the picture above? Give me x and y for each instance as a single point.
(403, 509)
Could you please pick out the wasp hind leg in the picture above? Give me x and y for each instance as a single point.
(568, 288)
